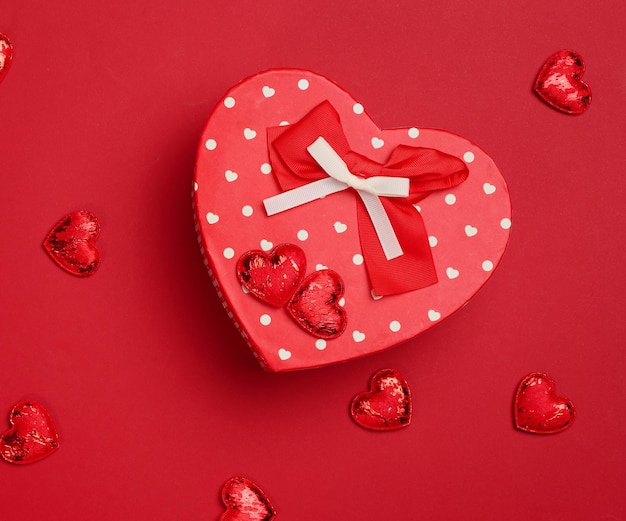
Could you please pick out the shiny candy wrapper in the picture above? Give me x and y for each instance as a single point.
(277, 279)
(70, 243)
(6, 55)
(245, 501)
(316, 305)
(538, 409)
(560, 83)
(32, 435)
(272, 277)
(387, 405)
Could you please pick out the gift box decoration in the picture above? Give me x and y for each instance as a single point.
(328, 238)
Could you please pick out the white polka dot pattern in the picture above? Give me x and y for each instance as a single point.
(467, 226)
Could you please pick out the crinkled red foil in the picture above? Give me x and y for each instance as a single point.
(273, 276)
(538, 409)
(315, 305)
(387, 406)
(71, 243)
(245, 501)
(6, 55)
(32, 435)
(560, 83)
(277, 279)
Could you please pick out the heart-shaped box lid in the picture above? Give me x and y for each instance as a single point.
(467, 225)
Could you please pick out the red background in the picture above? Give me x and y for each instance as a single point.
(158, 400)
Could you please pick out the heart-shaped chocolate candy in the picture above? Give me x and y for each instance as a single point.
(538, 409)
(71, 243)
(387, 405)
(32, 435)
(560, 83)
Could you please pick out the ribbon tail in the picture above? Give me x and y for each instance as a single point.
(413, 270)
(382, 225)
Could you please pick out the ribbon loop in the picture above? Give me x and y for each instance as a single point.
(336, 168)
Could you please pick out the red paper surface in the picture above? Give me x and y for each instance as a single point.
(156, 398)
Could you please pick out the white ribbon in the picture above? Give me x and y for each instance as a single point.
(341, 179)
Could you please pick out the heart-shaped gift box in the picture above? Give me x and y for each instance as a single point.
(442, 199)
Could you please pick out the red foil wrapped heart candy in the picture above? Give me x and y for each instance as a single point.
(387, 406)
(273, 276)
(276, 278)
(71, 243)
(315, 305)
(245, 501)
(32, 435)
(6, 55)
(560, 83)
(538, 409)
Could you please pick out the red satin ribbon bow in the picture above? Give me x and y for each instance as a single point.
(427, 169)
